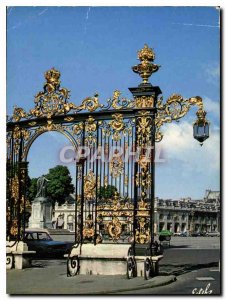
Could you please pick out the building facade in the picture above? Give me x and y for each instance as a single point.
(187, 215)
(184, 215)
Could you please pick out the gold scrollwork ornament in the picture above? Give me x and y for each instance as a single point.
(15, 188)
(90, 103)
(118, 103)
(144, 102)
(142, 235)
(144, 125)
(90, 124)
(89, 185)
(116, 165)
(117, 125)
(88, 231)
(115, 228)
(77, 129)
(90, 128)
(14, 228)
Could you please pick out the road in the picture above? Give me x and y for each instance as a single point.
(196, 251)
(203, 281)
(195, 262)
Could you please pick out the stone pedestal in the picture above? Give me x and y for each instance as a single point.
(107, 259)
(41, 213)
(17, 255)
(102, 259)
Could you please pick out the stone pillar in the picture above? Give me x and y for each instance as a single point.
(218, 222)
(41, 213)
(165, 225)
(65, 220)
(156, 225)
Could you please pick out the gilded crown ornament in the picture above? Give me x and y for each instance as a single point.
(146, 67)
(201, 116)
(52, 77)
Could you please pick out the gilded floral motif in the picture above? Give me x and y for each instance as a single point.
(90, 185)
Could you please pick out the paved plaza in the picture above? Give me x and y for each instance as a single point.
(186, 260)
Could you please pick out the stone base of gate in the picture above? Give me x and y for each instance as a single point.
(102, 259)
(140, 264)
(102, 266)
(109, 259)
(17, 255)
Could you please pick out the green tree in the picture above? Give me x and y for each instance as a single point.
(107, 192)
(60, 185)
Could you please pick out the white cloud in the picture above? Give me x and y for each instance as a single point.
(198, 25)
(211, 106)
(212, 72)
(178, 144)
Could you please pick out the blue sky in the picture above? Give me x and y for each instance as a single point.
(94, 49)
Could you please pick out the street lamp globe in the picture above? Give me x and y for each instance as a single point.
(201, 127)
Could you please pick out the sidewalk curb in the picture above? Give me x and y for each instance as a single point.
(151, 283)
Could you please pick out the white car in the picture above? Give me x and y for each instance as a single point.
(177, 234)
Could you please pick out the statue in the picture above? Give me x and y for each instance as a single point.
(41, 187)
(41, 210)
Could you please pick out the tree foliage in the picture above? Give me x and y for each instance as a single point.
(59, 185)
(32, 189)
(107, 192)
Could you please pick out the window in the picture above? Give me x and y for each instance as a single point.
(42, 236)
(70, 219)
(70, 226)
(37, 236)
(29, 236)
(161, 216)
(184, 217)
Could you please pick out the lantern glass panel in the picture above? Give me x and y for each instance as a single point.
(201, 132)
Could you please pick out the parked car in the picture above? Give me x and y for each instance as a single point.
(40, 241)
(184, 234)
(203, 233)
(195, 234)
(214, 233)
(177, 234)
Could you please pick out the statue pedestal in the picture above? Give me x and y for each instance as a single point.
(41, 213)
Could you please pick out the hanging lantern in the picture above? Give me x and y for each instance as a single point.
(201, 127)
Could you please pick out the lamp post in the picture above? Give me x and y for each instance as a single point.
(150, 114)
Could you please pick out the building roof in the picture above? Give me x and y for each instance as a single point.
(212, 194)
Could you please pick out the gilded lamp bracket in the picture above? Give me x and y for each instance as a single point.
(175, 108)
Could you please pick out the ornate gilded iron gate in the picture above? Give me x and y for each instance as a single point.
(115, 149)
(117, 185)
